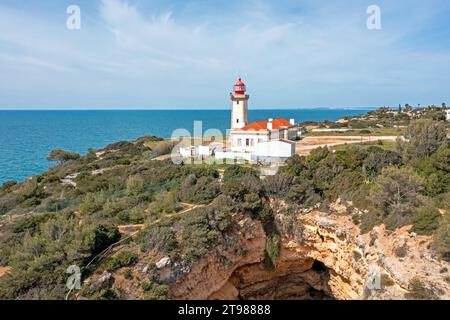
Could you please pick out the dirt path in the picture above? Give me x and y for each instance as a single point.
(305, 146)
(187, 208)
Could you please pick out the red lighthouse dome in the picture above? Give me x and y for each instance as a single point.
(239, 87)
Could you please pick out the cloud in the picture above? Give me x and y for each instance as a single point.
(154, 54)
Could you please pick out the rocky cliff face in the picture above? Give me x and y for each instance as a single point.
(322, 256)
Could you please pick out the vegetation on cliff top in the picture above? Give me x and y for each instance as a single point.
(74, 211)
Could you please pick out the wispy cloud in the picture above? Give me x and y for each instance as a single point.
(158, 54)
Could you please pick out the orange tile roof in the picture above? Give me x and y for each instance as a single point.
(262, 125)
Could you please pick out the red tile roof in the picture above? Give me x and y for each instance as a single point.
(262, 125)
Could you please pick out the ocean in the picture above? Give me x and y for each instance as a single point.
(27, 137)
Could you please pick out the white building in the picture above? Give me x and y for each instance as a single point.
(271, 140)
(448, 115)
(261, 139)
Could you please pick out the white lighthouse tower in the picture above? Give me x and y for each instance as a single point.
(239, 106)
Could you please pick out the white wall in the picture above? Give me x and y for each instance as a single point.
(234, 155)
(254, 139)
(275, 149)
(239, 111)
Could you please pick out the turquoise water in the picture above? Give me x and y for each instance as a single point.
(26, 137)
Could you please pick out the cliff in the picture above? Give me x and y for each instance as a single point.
(322, 256)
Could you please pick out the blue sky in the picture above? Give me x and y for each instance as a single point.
(187, 54)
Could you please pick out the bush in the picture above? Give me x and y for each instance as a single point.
(302, 192)
(277, 185)
(199, 190)
(135, 186)
(7, 185)
(31, 223)
(127, 274)
(425, 137)
(62, 156)
(159, 237)
(92, 203)
(122, 259)
(386, 281)
(98, 238)
(236, 171)
(273, 248)
(441, 241)
(155, 291)
(396, 195)
(426, 220)
(419, 291)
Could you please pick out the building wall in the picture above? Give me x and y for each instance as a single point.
(280, 149)
(246, 142)
(239, 112)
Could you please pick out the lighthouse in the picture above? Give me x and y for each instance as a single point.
(239, 106)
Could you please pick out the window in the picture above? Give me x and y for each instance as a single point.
(237, 120)
(252, 142)
(237, 102)
(247, 142)
(239, 142)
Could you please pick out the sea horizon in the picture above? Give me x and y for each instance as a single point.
(28, 136)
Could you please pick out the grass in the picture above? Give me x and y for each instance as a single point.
(360, 132)
(386, 145)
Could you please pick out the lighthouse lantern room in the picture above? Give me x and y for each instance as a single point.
(239, 105)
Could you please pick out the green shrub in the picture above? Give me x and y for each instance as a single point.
(419, 291)
(426, 220)
(159, 237)
(92, 203)
(236, 171)
(396, 195)
(122, 259)
(386, 281)
(62, 156)
(7, 185)
(273, 247)
(135, 186)
(127, 274)
(155, 291)
(199, 190)
(31, 223)
(441, 241)
(277, 185)
(97, 238)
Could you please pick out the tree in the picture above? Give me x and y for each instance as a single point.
(135, 186)
(396, 194)
(377, 159)
(295, 166)
(91, 155)
(442, 238)
(62, 156)
(424, 138)
(237, 171)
